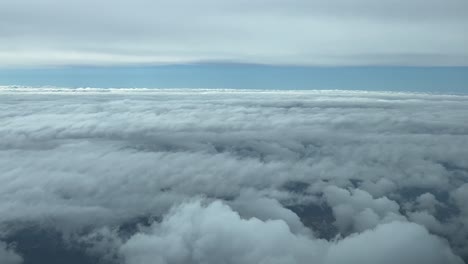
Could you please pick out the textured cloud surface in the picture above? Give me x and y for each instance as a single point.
(133, 176)
(315, 32)
(8, 256)
(215, 234)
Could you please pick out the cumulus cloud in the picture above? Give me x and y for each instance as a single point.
(429, 221)
(358, 210)
(250, 204)
(405, 238)
(428, 201)
(194, 233)
(460, 195)
(103, 167)
(53, 32)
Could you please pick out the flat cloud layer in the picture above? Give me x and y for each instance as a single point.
(232, 176)
(299, 32)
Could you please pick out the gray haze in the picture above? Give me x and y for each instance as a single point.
(132, 176)
(336, 32)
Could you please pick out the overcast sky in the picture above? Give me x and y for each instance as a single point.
(295, 32)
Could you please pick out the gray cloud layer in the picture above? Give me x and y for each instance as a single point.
(285, 176)
(8, 256)
(53, 32)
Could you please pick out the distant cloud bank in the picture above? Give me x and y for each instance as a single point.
(132, 176)
(297, 32)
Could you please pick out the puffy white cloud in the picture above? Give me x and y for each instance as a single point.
(460, 222)
(213, 233)
(357, 210)
(249, 204)
(427, 201)
(429, 221)
(380, 188)
(409, 243)
(460, 195)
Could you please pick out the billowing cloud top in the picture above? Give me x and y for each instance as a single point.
(317, 32)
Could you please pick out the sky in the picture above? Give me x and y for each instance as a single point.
(297, 40)
(345, 132)
(453, 80)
